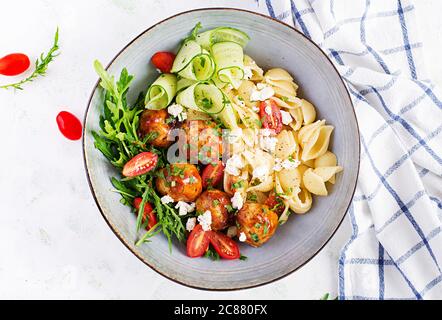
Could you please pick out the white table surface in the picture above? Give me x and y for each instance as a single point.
(53, 241)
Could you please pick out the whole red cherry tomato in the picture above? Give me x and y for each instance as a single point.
(148, 212)
(163, 61)
(223, 245)
(69, 125)
(270, 116)
(212, 174)
(140, 164)
(197, 242)
(14, 64)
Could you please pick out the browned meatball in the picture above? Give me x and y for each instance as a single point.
(204, 140)
(215, 201)
(154, 121)
(257, 222)
(181, 181)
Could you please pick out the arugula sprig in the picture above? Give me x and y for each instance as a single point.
(41, 66)
(118, 141)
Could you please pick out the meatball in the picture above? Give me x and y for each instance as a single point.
(181, 181)
(215, 201)
(204, 140)
(154, 121)
(257, 222)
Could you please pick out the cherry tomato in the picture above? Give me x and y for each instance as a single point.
(212, 174)
(148, 212)
(69, 125)
(275, 203)
(163, 61)
(270, 116)
(198, 242)
(140, 164)
(226, 247)
(14, 64)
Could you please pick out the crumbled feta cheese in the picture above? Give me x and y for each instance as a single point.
(255, 108)
(260, 172)
(278, 165)
(266, 132)
(262, 94)
(167, 199)
(234, 164)
(242, 237)
(290, 164)
(184, 207)
(237, 200)
(268, 143)
(205, 220)
(261, 86)
(158, 70)
(232, 231)
(268, 110)
(190, 224)
(247, 72)
(177, 111)
(286, 117)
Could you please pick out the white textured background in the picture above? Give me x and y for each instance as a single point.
(53, 241)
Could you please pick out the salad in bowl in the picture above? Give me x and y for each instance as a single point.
(217, 150)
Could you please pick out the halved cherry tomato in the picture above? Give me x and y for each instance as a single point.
(226, 247)
(140, 164)
(212, 174)
(198, 242)
(270, 116)
(14, 64)
(69, 125)
(275, 203)
(163, 60)
(148, 212)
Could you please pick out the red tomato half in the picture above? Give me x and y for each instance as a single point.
(212, 174)
(163, 61)
(14, 64)
(225, 246)
(148, 212)
(198, 242)
(270, 116)
(140, 164)
(69, 125)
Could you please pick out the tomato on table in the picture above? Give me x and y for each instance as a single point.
(270, 115)
(198, 242)
(13, 64)
(212, 174)
(148, 213)
(140, 164)
(163, 61)
(224, 246)
(69, 125)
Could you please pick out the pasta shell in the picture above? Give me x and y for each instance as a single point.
(307, 131)
(308, 112)
(290, 179)
(286, 145)
(314, 183)
(278, 74)
(301, 202)
(317, 144)
(257, 72)
(326, 173)
(244, 91)
(328, 159)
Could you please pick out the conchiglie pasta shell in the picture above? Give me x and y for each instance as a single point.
(301, 203)
(317, 144)
(297, 117)
(257, 72)
(278, 74)
(308, 112)
(328, 159)
(264, 186)
(283, 88)
(244, 91)
(290, 179)
(307, 131)
(286, 145)
(326, 173)
(248, 117)
(302, 168)
(314, 183)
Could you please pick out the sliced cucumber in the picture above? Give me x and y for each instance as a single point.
(203, 97)
(200, 68)
(183, 83)
(229, 59)
(187, 52)
(222, 34)
(228, 117)
(161, 92)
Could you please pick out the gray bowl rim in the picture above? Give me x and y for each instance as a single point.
(115, 230)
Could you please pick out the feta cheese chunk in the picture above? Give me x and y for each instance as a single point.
(278, 165)
(242, 237)
(237, 200)
(247, 72)
(177, 111)
(184, 207)
(205, 220)
(262, 94)
(167, 199)
(286, 117)
(190, 224)
(290, 164)
(261, 172)
(234, 164)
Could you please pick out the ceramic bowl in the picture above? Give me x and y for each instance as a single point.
(273, 44)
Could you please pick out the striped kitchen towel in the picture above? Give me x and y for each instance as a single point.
(395, 251)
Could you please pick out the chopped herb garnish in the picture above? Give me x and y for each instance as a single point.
(252, 197)
(254, 237)
(243, 258)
